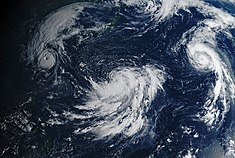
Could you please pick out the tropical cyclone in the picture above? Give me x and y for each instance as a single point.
(132, 76)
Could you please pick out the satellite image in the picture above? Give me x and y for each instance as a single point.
(117, 79)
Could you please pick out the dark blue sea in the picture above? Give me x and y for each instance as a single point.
(113, 79)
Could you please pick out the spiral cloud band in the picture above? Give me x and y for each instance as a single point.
(123, 101)
(150, 78)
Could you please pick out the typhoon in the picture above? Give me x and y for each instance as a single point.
(128, 78)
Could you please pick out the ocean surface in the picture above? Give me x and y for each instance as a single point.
(131, 78)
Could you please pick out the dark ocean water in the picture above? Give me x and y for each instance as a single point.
(120, 79)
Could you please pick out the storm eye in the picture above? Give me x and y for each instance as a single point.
(47, 59)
